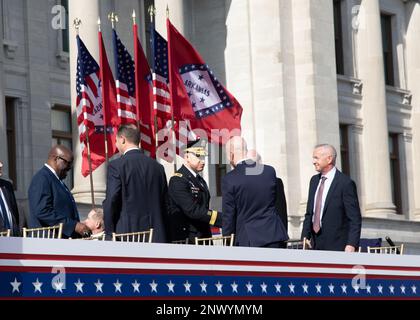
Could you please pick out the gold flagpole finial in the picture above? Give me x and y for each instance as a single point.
(167, 11)
(99, 23)
(133, 15)
(76, 24)
(113, 17)
(152, 12)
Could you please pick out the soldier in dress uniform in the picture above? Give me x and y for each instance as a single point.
(189, 197)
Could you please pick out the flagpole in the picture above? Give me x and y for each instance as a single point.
(170, 87)
(76, 23)
(152, 12)
(103, 93)
(136, 70)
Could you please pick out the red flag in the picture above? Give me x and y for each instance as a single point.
(196, 94)
(144, 97)
(109, 99)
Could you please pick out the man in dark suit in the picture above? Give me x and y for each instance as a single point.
(281, 204)
(136, 190)
(332, 220)
(249, 195)
(50, 201)
(9, 213)
(189, 198)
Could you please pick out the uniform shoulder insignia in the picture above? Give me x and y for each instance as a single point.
(176, 174)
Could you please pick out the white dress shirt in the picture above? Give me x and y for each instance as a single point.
(327, 184)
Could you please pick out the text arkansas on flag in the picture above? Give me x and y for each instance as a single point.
(196, 94)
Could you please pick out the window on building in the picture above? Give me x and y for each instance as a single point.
(11, 138)
(65, 32)
(386, 25)
(344, 149)
(395, 171)
(338, 36)
(62, 133)
(221, 170)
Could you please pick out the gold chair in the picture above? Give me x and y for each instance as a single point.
(141, 236)
(304, 244)
(92, 237)
(5, 233)
(387, 250)
(54, 232)
(226, 241)
(184, 241)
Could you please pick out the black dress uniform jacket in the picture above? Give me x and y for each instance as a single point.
(189, 214)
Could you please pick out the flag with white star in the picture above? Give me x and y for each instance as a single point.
(197, 95)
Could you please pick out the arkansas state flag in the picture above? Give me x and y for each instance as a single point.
(196, 94)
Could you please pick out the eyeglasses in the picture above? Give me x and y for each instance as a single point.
(68, 163)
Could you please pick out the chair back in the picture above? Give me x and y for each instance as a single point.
(5, 233)
(226, 241)
(184, 241)
(54, 232)
(304, 244)
(364, 243)
(141, 236)
(387, 250)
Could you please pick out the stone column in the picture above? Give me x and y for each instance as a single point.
(413, 77)
(376, 175)
(88, 12)
(310, 94)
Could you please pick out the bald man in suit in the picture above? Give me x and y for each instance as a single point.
(332, 220)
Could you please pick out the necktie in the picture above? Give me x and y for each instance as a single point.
(4, 214)
(318, 203)
(201, 181)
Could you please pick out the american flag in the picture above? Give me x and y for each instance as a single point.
(125, 82)
(126, 94)
(89, 108)
(88, 90)
(162, 102)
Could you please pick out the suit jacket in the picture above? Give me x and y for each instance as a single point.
(281, 204)
(136, 194)
(189, 199)
(9, 195)
(50, 203)
(249, 206)
(341, 220)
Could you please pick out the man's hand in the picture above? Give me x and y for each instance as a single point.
(349, 248)
(82, 229)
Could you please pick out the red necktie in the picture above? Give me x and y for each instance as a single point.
(318, 203)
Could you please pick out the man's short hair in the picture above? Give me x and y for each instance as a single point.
(130, 132)
(330, 147)
(98, 215)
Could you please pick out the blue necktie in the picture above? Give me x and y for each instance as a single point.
(4, 213)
